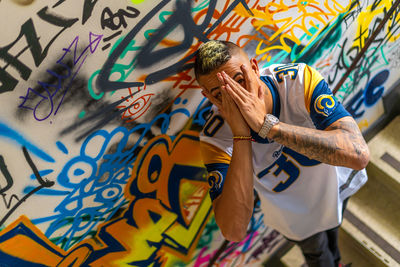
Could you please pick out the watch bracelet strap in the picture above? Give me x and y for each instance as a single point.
(264, 128)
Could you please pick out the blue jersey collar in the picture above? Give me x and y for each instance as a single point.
(276, 106)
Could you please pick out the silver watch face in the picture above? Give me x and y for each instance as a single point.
(274, 120)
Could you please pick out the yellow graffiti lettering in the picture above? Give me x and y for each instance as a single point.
(138, 240)
(366, 18)
(186, 237)
(290, 21)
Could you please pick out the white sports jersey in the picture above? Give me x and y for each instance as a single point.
(299, 196)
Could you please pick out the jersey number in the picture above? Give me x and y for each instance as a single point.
(288, 163)
(213, 125)
(287, 69)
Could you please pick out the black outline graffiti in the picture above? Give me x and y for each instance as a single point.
(43, 183)
(7, 175)
(28, 30)
(88, 7)
(180, 17)
(108, 22)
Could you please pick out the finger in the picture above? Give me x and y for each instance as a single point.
(224, 96)
(236, 87)
(239, 101)
(228, 100)
(220, 79)
(248, 79)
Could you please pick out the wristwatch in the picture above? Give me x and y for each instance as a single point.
(269, 121)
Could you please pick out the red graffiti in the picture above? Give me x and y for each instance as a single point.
(136, 107)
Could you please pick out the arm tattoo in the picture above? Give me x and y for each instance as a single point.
(340, 144)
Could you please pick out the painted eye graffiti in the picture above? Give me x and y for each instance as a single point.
(135, 107)
(138, 108)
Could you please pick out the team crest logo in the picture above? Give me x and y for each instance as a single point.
(325, 104)
(215, 179)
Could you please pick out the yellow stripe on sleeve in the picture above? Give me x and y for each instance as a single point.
(213, 154)
(311, 80)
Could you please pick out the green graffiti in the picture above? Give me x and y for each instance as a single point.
(207, 236)
(164, 14)
(61, 241)
(179, 264)
(119, 69)
(201, 6)
(81, 114)
(316, 46)
(90, 88)
(148, 33)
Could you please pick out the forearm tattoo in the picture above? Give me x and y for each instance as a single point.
(336, 145)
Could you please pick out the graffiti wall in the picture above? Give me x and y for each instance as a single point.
(100, 115)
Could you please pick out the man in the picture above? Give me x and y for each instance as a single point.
(281, 131)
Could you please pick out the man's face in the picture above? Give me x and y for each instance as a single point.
(232, 68)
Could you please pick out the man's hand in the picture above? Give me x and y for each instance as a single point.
(229, 110)
(250, 102)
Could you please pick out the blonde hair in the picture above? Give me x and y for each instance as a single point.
(213, 54)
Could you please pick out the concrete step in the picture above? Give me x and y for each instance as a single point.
(353, 251)
(361, 250)
(355, 246)
(293, 258)
(385, 156)
(372, 219)
(375, 211)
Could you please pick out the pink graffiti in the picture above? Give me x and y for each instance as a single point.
(203, 260)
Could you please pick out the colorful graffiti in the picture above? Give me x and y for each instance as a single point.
(166, 213)
(100, 114)
(284, 26)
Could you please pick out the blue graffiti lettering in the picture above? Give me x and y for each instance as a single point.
(369, 96)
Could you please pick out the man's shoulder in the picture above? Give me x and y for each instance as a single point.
(216, 132)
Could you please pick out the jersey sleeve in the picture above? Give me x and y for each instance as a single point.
(322, 105)
(217, 163)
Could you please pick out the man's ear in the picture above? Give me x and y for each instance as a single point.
(254, 66)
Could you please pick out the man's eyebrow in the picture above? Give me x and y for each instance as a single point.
(237, 74)
(213, 89)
